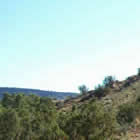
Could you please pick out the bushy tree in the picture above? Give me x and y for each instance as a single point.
(108, 81)
(90, 122)
(138, 71)
(99, 91)
(83, 89)
(9, 124)
(36, 118)
(126, 114)
(28, 118)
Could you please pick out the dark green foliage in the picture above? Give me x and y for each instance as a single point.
(39, 118)
(99, 91)
(137, 106)
(36, 118)
(103, 89)
(138, 71)
(126, 114)
(9, 124)
(108, 81)
(28, 118)
(138, 99)
(83, 89)
(90, 122)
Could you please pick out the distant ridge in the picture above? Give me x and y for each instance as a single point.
(42, 93)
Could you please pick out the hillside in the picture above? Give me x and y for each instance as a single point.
(110, 112)
(41, 93)
(120, 94)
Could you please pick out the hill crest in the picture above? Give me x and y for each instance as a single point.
(42, 93)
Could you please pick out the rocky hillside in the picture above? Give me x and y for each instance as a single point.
(119, 94)
(122, 91)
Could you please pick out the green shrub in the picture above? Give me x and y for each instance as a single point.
(29, 117)
(126, 114)
(108, 81)
(99, 91)
(83, 89)
(90, 122)
(138, 71)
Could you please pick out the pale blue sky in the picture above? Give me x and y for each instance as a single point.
(59, 44)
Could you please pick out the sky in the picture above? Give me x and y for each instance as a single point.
(59, 45)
